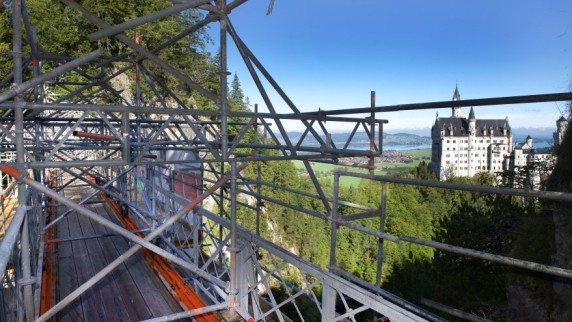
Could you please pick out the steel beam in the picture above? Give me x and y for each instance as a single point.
(523, 99)
(21, 88)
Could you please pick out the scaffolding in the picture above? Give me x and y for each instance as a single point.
(174, 176)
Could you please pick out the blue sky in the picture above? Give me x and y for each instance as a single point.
(331, 54)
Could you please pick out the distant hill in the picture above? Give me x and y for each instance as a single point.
(360, 138)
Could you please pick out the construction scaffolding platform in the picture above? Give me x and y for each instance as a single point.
(132, 292)
(147, 200)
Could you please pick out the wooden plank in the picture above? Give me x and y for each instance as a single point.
(131, 292)
(90, 299)
(158, 299)
(67, 276)
(112, 302)
(132, 300)
(102, 291)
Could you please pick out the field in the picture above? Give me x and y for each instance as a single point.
(423, 153)
(327, 170)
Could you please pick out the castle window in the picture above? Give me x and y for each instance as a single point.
(488, 141)
(454, 141)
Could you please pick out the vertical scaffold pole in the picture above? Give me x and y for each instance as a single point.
(382, 216)
(258, 174)
(20, 158)
(232, 301)
(333, 219)
(328, 293)
(223, 82)
(372, 136)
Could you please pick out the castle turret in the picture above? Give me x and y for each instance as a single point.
(472, 122)
(456, 97)
(561, 126)
(528, 143)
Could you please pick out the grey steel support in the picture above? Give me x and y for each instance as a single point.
(17, 90)
(548, 195)
(333, 220)
(375, 302)
(19, 87)
(244, 274)
(452, 311)
(382, 217)
(329, 295)
(233, 290)
(554, 97)
(10, 237)
(372, 135)
(224, 108)
(249, 58)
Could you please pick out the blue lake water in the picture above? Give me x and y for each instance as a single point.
(406, 147)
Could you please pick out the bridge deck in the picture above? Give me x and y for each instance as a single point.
(132, 292)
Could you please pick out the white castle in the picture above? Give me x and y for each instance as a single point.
(464, 147)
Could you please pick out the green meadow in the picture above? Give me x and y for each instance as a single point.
(325, 170)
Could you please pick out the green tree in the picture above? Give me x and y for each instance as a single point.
(62, 31)
(5, 41)
(236, 98)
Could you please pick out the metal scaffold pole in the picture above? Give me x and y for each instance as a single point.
(144, 154)
(26, 280)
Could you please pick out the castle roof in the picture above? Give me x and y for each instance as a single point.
(459, 126)
(542, 151)
(456, 95)
(472, 114)
(562, 119)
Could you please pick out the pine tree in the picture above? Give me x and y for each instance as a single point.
(236, 98)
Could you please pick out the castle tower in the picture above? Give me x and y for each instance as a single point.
(456, 97)
(529, 142)
(561, 126)
(472, 123)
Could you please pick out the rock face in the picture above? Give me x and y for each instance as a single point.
(542, 297)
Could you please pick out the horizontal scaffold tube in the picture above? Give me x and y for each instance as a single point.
(540, 98)
(96, 136)
(21, 88)
(550, 195)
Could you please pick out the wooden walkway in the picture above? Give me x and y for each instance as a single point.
(132, 292)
